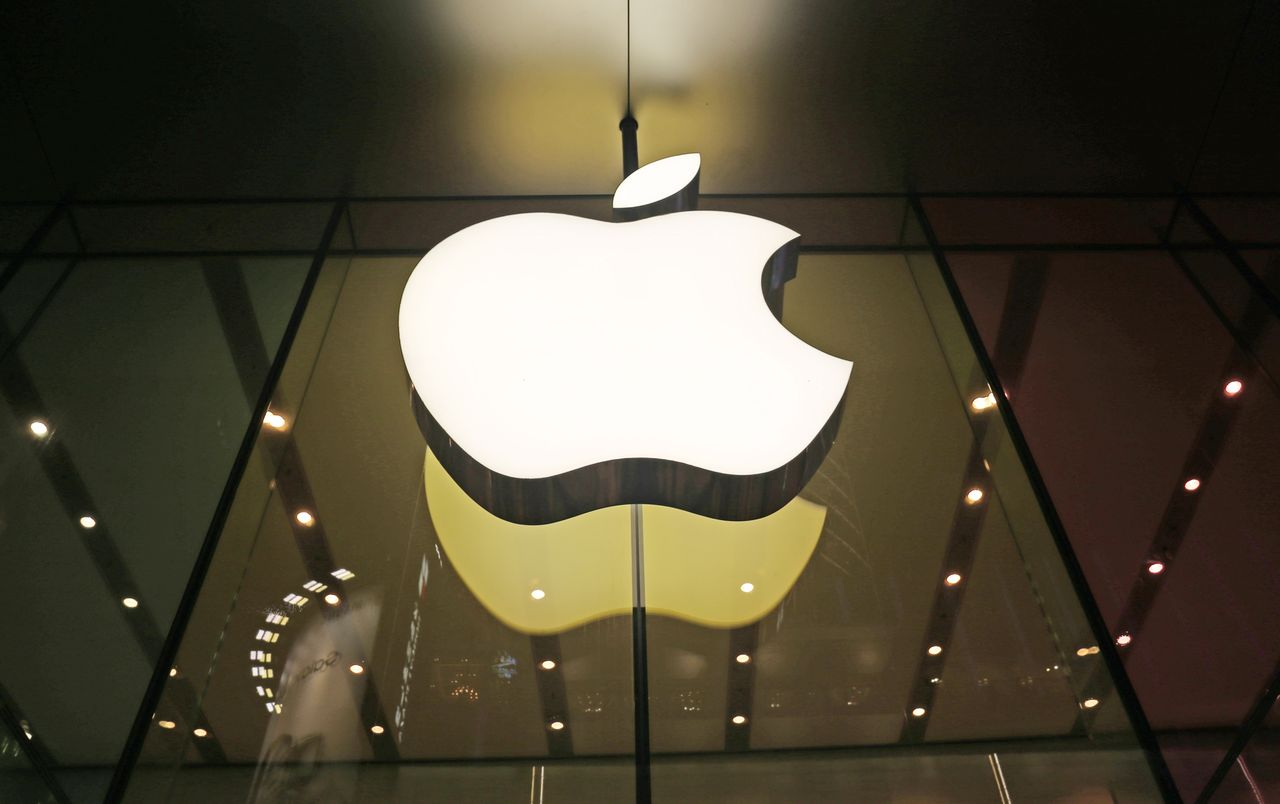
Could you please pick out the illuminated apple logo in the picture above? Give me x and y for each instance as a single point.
(562, 364)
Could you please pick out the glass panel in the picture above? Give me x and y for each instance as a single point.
(18, 780)
(419, 225)
(123, 408)
(1163, 471)
(827, 221)
(30, 286)
(225, 227)
(1049, 220)
(885, 608)
(382, 615)
(18, 222)
(1244, 220)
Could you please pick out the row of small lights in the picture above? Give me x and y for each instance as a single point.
(1155, 566)
(307, 519)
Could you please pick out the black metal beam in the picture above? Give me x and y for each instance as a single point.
(1089, 605)
(186, 605)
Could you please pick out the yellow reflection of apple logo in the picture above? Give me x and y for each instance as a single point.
(541, 579)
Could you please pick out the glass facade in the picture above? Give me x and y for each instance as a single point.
(236, 572)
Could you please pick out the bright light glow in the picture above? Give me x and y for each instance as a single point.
(974, 496)
(547, 664)
(305, 518)
(357, 669)
(918, 711)
(1192, 484)
(537, 594)
(39, 428)
(1155, 567)
(332, 599)
(742, 658)
(376, 729)
(738, 720)
(88, 523)
(656, 181)
(981, 403)
(934, 680)
(1082, 652)
(1089, 703)
(491, 330)
(1123, 639)
(934, 650)
(343, 574)
(314, 586)
(200, 732)
(274, 420)
(173, 672)
(130, 603)
(1233, 388)
(953, 579)
(748, 587)
(166, 724)
(556, 725)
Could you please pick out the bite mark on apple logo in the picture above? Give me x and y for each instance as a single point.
(562, 364)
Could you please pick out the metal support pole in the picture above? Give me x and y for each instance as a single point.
(639, 656)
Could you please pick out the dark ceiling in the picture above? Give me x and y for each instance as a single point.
(507, 97)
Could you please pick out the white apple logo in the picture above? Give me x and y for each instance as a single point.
(562, 364)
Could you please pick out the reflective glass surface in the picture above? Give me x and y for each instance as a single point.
(367, 631)
(122, 409)
(1146, 397)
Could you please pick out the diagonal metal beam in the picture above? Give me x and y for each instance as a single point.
(1071, 563)
(229, 291)
(200, 568)
(1023, 298)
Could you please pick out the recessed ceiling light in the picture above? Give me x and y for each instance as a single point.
(332, 599)
(1233, 388)
(953, 579)
(747, 587)
(376, 729)
(88, 523)
(934, 650)
(974, 496)
(1089, 703)
(356, 669)
(537, 594)
(1124, 639)
(274, 420)
(39, 429)
(738, 720)
(200, 732)
(742, 658)
(130, 603)
(556, 725)
(166, 724)
(173, 672)
(548, 664)
(1192, 484)
(1155, 567)
(918, 711)
(305, 518)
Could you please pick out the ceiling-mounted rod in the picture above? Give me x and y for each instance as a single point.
(630, 152)
(628, 126)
